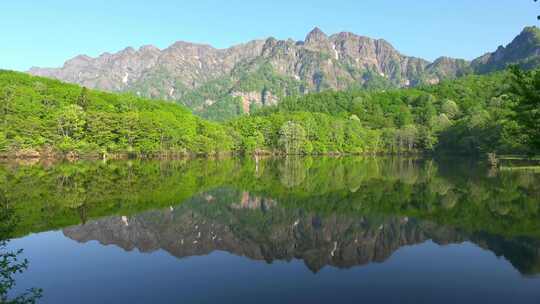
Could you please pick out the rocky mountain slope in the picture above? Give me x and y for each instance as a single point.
(225, 82)
(524, 50)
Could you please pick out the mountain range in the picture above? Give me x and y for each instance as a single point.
(227, 82)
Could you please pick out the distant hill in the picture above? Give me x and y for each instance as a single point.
(49, 119)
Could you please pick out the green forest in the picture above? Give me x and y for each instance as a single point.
(473, 115)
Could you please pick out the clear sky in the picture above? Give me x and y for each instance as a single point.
(47, 32)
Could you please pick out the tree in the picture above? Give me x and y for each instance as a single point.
(292, 138)
(426, 138)
(128, 129)
(408, 136)
(450, 109)
(442, 122)
(6, 100)
(253, 142)
(102, 130)
(3, 142)
(403, 116)
(425, 111)
(526, 86)
(71, 122)
(83, 100)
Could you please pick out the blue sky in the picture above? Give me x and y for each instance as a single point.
(46, 33)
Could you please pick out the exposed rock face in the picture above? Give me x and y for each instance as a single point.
(111, 72)
(445, 68)
(320, 62)
(524, 50)
(198, 75)
(152, 72)
(255, 98)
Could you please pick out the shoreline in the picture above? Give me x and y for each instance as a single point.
(51, 155)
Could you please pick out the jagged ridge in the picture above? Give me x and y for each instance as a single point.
(260, 72)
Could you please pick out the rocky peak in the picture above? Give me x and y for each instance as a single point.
(321, 62)
(149, 49)
(183, 46)
(446, 67)
(530, 34)
(527, 42)
(524, 50)
(80, 60)
(270, 43)
(315, 37)
(128, 51)
(444, 60)
(343, 36)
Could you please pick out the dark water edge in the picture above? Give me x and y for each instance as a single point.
(50, 155)
(317, 229)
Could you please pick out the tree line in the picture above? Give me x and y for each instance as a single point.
(470, 115)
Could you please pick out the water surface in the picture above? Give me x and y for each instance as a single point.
(296, 230)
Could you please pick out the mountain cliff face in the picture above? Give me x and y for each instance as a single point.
(258, 73)
(153, 72)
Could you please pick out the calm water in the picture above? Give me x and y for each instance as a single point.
(309, 230)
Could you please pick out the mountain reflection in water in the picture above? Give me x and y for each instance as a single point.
(326, 212)
(258, 228)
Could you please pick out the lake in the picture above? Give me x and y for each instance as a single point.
(294, 230)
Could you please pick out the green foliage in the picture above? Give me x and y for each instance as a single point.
(292, 139)
(307, 133)
(468, 115)
(526, 85)
(450, 109)
(82, 101)
(3, 142)
(40, 114)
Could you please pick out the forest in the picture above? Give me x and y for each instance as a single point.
(472, 115)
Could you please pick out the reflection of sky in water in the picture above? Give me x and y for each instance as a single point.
(70, 272)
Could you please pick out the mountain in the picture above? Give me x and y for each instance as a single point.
(524, 51)
(225, 82)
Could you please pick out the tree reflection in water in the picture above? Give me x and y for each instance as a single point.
(11, 263)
